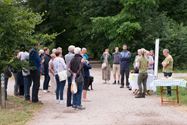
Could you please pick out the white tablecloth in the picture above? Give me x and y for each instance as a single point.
(168, 82)
(133, 79)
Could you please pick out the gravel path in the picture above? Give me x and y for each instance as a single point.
(110, 105)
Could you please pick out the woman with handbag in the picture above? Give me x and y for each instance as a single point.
(106, 67)
(60, 76)
(76, 67)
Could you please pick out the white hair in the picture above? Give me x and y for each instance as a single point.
(71, 48)
(41, 51)
(54, 50)
(77, 50)
(84, 49)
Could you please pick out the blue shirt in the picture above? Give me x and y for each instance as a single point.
(125, 57)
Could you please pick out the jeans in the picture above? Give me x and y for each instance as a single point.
(27, 85)
(46, 80)
(19, 86)
(168, 87)
(35, 78)
(142, 79)
(59, 88)
(69, 94)
(6, 84)
(78, 96)
(123, 73)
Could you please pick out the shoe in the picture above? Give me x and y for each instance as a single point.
(114, 82)
(61, 102)
(122, 86)
(140, 96)
(81, 108)
(127, 86)
(118, 82)
(45, 91)
(74, 106)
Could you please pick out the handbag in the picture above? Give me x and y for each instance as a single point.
(103, 66)
(73, 86)
(62, 75)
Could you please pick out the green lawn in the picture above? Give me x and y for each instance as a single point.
(18, 111)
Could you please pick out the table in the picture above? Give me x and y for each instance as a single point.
(133, 79)
(168, 82)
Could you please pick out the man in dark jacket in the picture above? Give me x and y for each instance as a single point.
(35, 61)
(125, 57)
(46, 69)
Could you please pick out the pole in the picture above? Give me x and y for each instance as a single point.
(156, 57)
(3, 102)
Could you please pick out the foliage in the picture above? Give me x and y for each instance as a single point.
(17, 27)
(139, 24)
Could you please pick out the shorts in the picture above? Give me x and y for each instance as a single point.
(116, 69)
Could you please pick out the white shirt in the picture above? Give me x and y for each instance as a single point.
(23, 55)
(59, 65)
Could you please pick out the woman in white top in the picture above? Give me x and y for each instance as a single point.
(59, 66)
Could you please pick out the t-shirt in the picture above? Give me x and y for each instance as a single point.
(59, 65)
(169, 64)
(23, 55)
(116, 58)
(143, 65)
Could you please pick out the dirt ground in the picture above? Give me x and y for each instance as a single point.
(109, 105)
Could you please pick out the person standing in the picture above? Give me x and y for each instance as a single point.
(84, 54)
(151, 63)
(59, 66)
(68, 58)
(52, 73)
(136, 63)
(86, 67)
(47, 58)
(7, 75)
(167, 67)
(125, 58)
(143, 75)
(35, 61)
(116, 65)
(23, 55)
(76, 67)
(106, 67)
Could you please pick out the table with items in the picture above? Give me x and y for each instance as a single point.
(162, 83)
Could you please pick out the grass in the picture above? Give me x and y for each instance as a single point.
(18, 111)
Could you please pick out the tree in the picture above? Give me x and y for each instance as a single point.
(140, 23)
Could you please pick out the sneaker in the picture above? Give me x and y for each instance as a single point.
(74, 106)
(45, 91)
(81, 107)
(61, 102)
(122, 86)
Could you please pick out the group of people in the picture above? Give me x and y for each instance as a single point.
(143, 65)
(74, 68)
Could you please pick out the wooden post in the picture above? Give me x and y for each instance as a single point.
(3, 101)
(177, 94)
(0, 93)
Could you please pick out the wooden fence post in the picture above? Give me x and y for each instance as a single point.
(3, 101)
